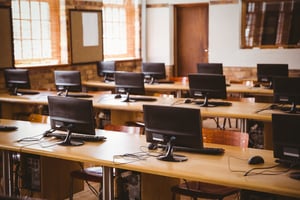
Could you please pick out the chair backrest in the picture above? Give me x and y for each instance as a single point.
(39, 118)
(123, 128)
(227, 137)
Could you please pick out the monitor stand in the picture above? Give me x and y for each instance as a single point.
(69, 142)
(295, 175)
(169, 156)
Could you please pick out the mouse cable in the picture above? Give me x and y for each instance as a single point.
(32, 138)
(177, 102)
(151, 153)
(266, 172)
(130, 157)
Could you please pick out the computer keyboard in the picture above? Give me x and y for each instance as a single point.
(7, 128)
(215, 103)
(79, 95)
(91, 138)
(142, 99)
(27, 92)
(166, 81)
(204, 150)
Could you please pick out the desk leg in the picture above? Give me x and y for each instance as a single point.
(108, 184)
(243, 125)
(7, 173)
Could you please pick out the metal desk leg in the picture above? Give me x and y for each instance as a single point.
(243, 125)
(108, 184)
(7, 173)
(178, 93)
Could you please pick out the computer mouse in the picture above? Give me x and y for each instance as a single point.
(254, 160)
(187, 101)
(118, 96)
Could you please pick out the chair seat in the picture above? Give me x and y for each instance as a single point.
(203, 190)
(93, 174)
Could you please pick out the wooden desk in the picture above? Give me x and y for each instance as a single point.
(206, 168)
(179, 87)
(242, 110)
(123, 111)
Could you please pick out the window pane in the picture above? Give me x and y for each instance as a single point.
(25, 10)
(46, 48)
(37, 50)
(35, 10)
(36, 29)
(46, 30)
(17, 49)
(26, 49)
(17, 28)
(26, 29)
(15, 9)
(45, 10)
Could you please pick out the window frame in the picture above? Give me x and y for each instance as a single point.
(254, 24)
(55, 38)
(133, 38)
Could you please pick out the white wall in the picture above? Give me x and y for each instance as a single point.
(224, 37)
(159, 37)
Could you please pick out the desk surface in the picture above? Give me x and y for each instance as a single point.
(243, 110)
(206, 168)
(184, 86)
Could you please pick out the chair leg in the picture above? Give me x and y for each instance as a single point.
(100, 192)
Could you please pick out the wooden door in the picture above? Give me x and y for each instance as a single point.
(191, 37)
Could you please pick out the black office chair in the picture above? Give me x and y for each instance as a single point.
(196, 189)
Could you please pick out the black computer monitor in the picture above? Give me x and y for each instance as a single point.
(266, 72)
(15, 79)
(106, 69)
(286, 138)
(67, 81)
(207, 86)
(287, 91)
(153, 71)
(210, 68)
(173, 126)
(72, 115)
(129, 83)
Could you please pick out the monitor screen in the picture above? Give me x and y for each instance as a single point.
(287, 91)
(106, 69)
(207, 86)
(129, 83)
(210, 68)
(153, 71)
(67, 81)
(173, 126)
(286, 138)
(72, 115)
(15, 79)
(266, 72)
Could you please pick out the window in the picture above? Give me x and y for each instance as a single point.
(121, 28)
(36, 32)
(270, 24)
